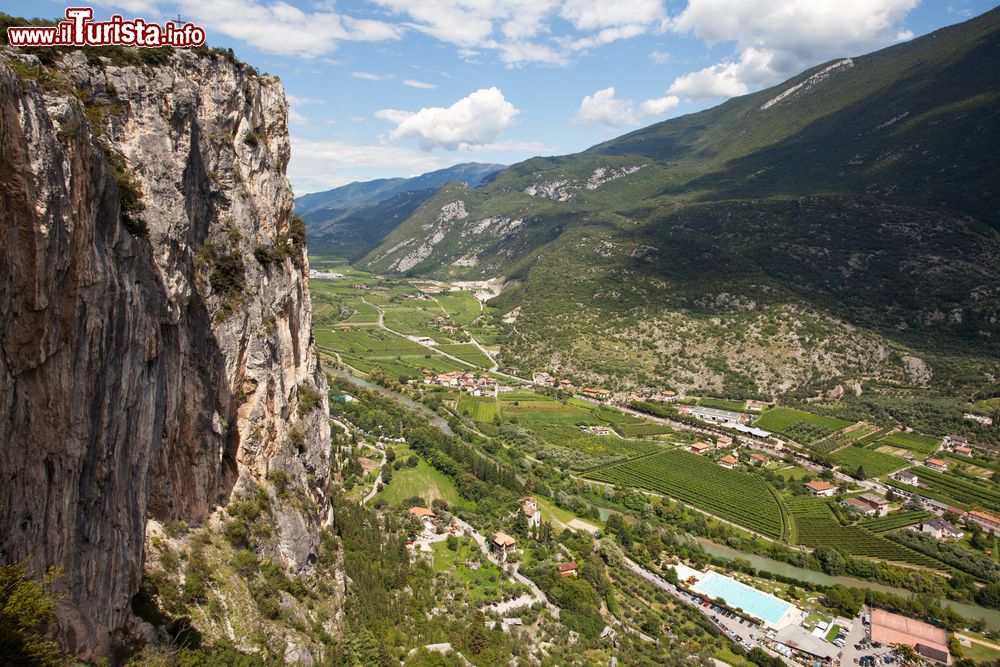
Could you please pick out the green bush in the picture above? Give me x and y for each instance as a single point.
(26, 612)
(309, 399)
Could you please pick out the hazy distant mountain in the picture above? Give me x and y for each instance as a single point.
(844, 224)
(355, 217)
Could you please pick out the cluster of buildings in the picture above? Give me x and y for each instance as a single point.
(431, 521)
(477, 385)
(868, 504)
(714, 415)
(546, 380)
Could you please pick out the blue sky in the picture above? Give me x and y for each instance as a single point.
(386, 88)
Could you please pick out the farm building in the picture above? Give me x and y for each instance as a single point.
(804, 643)
(939, 465)
(940, 529)
(502, 544)
(877, 503)
(927, 640)
(715, 415)
(750, 430)
(861, 506)
(729, 461)
(700, 448)
(821, 488)
(566, 569)
(987, 522)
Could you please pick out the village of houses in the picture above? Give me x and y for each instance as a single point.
(733, 441)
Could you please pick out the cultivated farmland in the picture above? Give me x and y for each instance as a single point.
(797, 425)
(913, 441)
(816, 532)
(733, 495)
(896, 520)
(874, 463)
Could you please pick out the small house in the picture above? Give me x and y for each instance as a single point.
(821, 488)
(940, 529)
(502, 544)
(963, 450)
(729, 461)
(907, 477)
(700, 448)
(938, 465)
(860, 506)
(529, 507)
(566, 569)
(759, 459)
(877, 503)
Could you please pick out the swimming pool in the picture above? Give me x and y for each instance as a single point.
(740, 596)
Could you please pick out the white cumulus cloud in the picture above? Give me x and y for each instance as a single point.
(472, 121)
(603, 108)
(659, 105)
(281, 28)
(777, 38)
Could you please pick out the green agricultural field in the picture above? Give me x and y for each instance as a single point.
(567, 445)
(913, 441)
(874, 463)
(807, 506)
(478, 409)
(467, 352)
(423, 480)
(722, 404)
(537, 409)
(462, 307)
(736, 496)
(642, 429)
(817, 532)
(800, 426)
(961, 488)
(895, 521)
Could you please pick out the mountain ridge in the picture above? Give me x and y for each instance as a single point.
(869, 175)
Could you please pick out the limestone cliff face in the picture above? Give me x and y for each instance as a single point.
(147, 373)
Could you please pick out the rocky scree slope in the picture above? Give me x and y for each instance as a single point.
(155, 342)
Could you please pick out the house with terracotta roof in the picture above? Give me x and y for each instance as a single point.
(964, 450)
(987, 522)
(821, 488)
(879, 504)
(929, 641)
(729, 461)
(759, 459)
(502, 544)
(421, 513)
(859, 506)
(566, 569)
(939, 465)
(700, 448)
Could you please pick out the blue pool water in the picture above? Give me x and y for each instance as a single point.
(741, 596)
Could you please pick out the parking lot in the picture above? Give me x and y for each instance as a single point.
(858, 650)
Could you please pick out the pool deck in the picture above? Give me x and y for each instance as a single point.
(692, 578)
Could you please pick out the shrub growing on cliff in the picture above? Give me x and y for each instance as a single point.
(26, 610)
(309, 399)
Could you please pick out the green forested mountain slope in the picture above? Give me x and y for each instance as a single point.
(842, 225)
